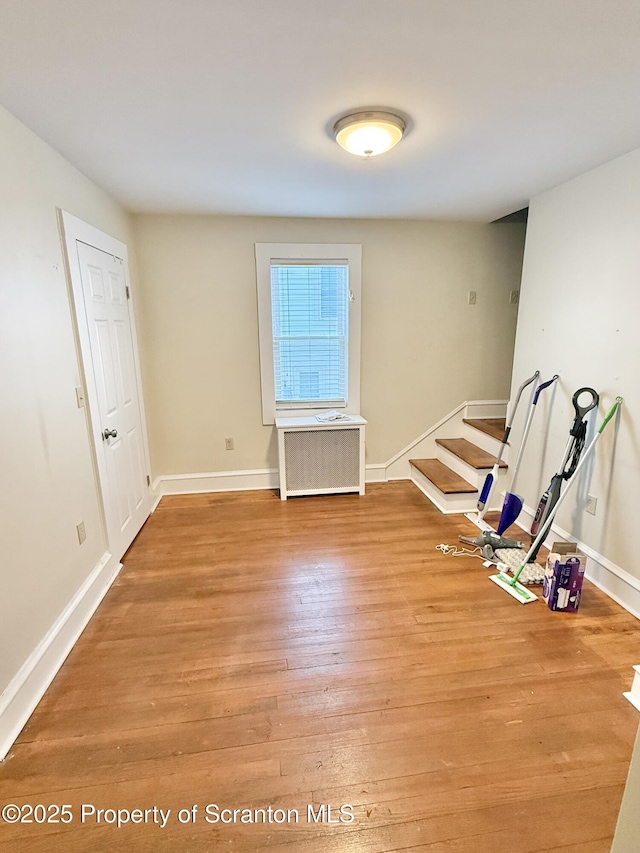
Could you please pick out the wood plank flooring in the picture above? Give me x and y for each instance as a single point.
(256, 653)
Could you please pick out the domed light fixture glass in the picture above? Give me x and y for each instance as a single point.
(369, 133)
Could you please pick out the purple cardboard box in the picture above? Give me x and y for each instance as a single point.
(563, 576)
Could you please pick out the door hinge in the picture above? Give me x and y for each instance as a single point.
(126, 287)
(148, 480)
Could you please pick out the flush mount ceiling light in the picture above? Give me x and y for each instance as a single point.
(369, 133)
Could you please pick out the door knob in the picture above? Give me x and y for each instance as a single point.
(109, 433)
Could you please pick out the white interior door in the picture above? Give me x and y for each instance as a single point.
(99, 279)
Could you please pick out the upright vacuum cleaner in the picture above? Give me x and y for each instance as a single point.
(570, 459)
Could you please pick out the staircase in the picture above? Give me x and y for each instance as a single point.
(453, 480)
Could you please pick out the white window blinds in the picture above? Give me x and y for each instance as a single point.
(310, 317)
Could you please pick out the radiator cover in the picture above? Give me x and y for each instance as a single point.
(319, 458)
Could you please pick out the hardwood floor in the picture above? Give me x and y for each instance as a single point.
(256, 653)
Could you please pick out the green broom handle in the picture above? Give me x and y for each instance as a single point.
(616, 404)
(547, 525)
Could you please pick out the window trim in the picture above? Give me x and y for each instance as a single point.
(266, 254)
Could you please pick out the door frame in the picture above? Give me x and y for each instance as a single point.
(73, 229)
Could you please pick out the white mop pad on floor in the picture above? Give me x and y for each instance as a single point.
(533, 573)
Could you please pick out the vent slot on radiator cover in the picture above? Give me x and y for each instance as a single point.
(322, 459)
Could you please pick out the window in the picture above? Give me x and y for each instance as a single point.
(310, 328)
(309, 321)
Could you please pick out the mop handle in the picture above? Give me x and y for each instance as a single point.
(544, 385)
(547, 524)
(490, 479)
(527, 427)
(512, 415)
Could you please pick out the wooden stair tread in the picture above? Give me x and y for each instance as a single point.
(469, 453)
(490, 426)
(442, 477)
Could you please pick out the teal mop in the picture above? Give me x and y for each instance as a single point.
(511, 584)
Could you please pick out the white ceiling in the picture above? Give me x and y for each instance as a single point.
(225, 106)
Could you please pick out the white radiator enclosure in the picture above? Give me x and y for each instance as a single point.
(320, 458)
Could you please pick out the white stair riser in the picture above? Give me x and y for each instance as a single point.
(477, 409)
(475, 476)
(486, 442)
(447, 504)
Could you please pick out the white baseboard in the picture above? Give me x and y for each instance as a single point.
(216, 481)
(28, 686)
(375, 473)
(236, 481)
(612, 579)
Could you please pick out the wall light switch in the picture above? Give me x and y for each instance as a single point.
(473, 297)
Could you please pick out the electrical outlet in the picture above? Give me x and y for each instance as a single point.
(473, 297)
(514, 297)
(82, 533)
(228, 444)
(591, 504)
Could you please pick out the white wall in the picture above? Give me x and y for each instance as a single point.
(628, 826)
(424, 349)
(579, 310)
(48, 483)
